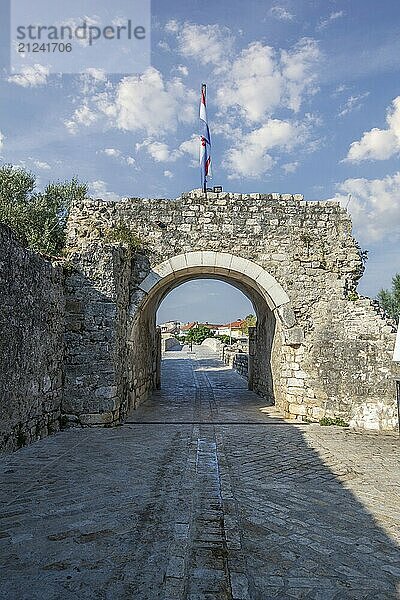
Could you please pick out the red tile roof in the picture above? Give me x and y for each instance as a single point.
(189, 326)
(234, 325)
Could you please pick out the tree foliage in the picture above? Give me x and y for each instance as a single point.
(198, 334)
(390, 299)
(225, 339)
(249, 321)
(38, 218)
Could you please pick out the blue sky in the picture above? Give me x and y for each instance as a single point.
(303, 97)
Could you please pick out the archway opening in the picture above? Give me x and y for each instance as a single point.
(263, 292)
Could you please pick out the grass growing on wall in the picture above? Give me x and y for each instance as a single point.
(121, 233)
(327, 421)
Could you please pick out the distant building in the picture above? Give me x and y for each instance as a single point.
(170, 328)
(234, 329)
(185, 328)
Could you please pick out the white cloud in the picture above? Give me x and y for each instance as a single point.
(39, 164)
(161, 152)
(164, 46)
(251, 158)
(144, 102)
(115, 153)
(97, 74)
(182, 70)
(328, 20)
(147, 102)
(99, 189)
(30, 76)
(299, 67)
(260, 80)
(374, 206)
(281, 13)
(379, 144)
(209, 44)
(172, 26)
(290, 167)
(112, 152)
(92, 80)
(168, 174)
(352, 103)
(93, 20)
(191, 147)
(82, 117)
(339, 89)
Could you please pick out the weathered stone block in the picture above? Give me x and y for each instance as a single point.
(97, 418)
(107, 391)
(294, 336)
(297, 409)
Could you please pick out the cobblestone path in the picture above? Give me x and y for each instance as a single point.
(205, 493)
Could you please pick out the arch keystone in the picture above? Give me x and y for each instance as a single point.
(209, 258)
(194, 259)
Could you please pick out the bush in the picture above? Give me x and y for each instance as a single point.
(38, 218)
(326, 421)
(390, 299)
(352, 296)
(121, 233)
(225, 339)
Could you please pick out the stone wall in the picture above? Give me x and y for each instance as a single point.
(238, 361)
(107, 373)
(323, 353)
(170, 343)
(31, 339)
(349, 333)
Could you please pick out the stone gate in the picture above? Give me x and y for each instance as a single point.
(320, 349)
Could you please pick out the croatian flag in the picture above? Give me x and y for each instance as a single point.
(205, 141)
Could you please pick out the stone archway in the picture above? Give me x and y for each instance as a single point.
(297, 261)
(275, 318)
(243, 272)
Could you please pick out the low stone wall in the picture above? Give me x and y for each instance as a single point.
(31, 344)
(169, 344)
(237, 361)
(358, 335)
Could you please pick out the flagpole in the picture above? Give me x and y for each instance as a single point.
(204, 91)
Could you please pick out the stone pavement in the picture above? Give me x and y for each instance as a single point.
(205, 493)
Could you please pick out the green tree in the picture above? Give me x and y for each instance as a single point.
(38, 218)
(198, 334)
(225, 339)
(249, 321)
(390, 299)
